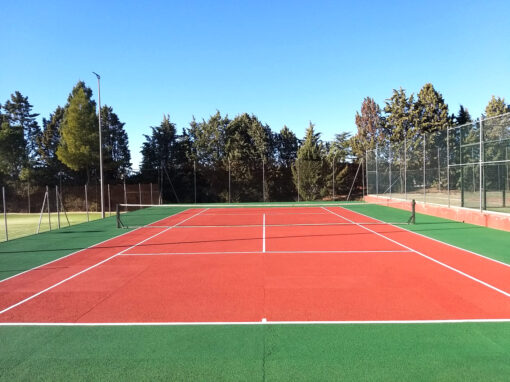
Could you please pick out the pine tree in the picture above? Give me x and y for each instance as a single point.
(308, 168)
(432, 111)
(286, 144)
(496, 106)
(12, 149)
(18, 112)
(78, 148)
(462, 116)
(401, 116)
(370, 127)
(48, 142)
(117, 158)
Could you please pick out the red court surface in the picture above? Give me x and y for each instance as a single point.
(252, 265)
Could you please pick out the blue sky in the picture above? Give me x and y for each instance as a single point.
(288, 62)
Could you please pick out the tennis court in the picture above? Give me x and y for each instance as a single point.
(260, 265)
(317, 291)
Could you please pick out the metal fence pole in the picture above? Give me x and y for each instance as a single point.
(195, 179)
(376, 171)
(58, 210)
(5, 215)
(263, 181)
(405, 167)
(86, 203)
(389, 165)
(229, 180)
(28, 195)
(438, 170)
(297, 160)
(424, 169)
(480, 161)
(49, 213)
(125, 195)
(110, 200)
(140, 193)
(448, 164)
(362, 178)
(366, 169)
(151, 193)
(333, 177)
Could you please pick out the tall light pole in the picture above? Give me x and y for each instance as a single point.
(100, 145)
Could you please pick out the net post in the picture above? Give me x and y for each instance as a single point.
(5, 214)
(413, 212)
(117, 215)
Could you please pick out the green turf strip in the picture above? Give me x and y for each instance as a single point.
(438, 352)
(379, 352)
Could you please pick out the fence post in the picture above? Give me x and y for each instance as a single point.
(448, 164)
(405, 167)
(229, 180)
(263, 181)
(86, 203)
(389, 165)
(424, 169)
(49, 213)
(376, 171)
(333, 178)
(5, 215)
(109, 201)
(28, 195)
(195, 179)
(362, 179)
(151, 193)
(125, 195)
(140, 193)
(58, 210)
(297, 160)
(480, 161)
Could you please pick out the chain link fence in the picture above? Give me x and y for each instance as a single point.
(464, 166)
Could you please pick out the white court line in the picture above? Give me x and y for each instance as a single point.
(218, 323)
(427, 257)
(431, 238)
(264, 233)
(76, 252)
(255, 252)
(91, 267)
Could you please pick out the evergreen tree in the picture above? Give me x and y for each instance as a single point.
(432, 112)
(496, 106)
(48, 142)
(462, 116)
(117, 158)
(401, 116)
(286, 144)
(370, 127)
(78, 148)
(308, 168)
(12, 149)
(18, 112)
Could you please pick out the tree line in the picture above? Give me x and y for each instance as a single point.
(213, 160)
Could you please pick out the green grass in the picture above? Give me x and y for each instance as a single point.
(20, 225)
(381, 352)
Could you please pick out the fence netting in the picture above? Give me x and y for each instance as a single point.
(465, 166)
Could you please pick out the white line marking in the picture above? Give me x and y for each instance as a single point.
(81, 250)
(427, 257)
(264, 233)
(253, 252)
(211, 323)
(89, 268)
(436, 240)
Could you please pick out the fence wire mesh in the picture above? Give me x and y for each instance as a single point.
(465, 166)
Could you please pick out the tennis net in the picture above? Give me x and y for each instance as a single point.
(271, 214)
